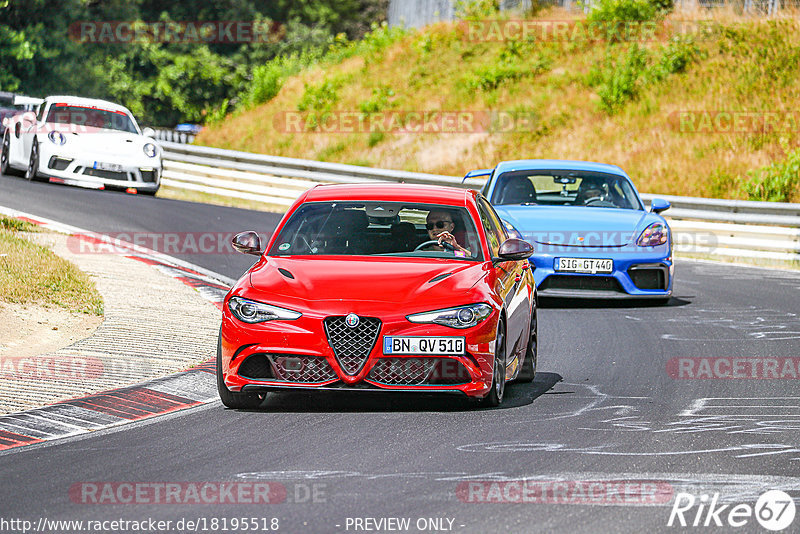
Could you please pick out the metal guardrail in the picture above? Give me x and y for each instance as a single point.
(174, 136)
(726, 228)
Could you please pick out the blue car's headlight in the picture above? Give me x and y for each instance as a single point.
(57, 138)
(250, 311)
(149, 150)
(655, 234)
(458, 317)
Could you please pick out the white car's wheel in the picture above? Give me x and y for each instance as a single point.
(5, 167)
(33, 164)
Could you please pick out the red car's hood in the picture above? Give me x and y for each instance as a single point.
(376, 280)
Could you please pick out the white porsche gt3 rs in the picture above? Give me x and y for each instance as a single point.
(84, 142)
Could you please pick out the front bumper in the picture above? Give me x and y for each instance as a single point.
(142, 174)
(638, 273)
(260, 357)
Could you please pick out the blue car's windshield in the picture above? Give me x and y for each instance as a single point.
(565, 188)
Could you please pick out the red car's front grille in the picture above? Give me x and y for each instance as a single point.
(418, 371)
(352, 345)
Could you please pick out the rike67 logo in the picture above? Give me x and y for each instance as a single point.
(774, 510)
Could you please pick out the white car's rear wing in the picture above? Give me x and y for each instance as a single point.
(27, 101)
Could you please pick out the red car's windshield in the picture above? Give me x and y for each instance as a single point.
(377, 229)
(90, 118)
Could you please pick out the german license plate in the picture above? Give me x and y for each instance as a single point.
(433, 346)
(107, 166)
(584, 265)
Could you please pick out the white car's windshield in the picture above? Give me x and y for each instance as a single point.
(565, 188)
(90, 118)
(377, 229)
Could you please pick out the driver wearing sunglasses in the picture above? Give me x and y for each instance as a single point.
(440, 225)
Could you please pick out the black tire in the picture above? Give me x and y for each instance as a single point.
(495, 396)
(528, 371)
(33, 165)
(5, 167)
(229, 398)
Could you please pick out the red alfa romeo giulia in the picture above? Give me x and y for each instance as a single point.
(388, 287)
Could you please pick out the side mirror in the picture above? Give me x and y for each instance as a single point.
(657, 205)
(149, 132)
(247, 243)
(514, 249)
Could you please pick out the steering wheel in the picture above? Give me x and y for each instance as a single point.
(600, 202)
(444, 244)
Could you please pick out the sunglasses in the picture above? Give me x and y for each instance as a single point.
(438, 224)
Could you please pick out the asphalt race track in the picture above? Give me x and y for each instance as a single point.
(615, 403)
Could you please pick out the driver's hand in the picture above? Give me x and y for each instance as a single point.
(448, 238)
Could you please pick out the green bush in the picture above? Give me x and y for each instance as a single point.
(622, 11)
(379, 101)
(778, 182)
(513, 63)
(375, 138)
(320, 97)
(675, 57)
(489, 77)
(476, 9)
(267, 81)
(620, 81)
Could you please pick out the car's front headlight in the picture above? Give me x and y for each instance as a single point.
(57, 138)
(655, 234)
(149, 150)
(250, 311)
(458, 317)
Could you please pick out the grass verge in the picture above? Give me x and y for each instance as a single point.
(661, 108)
(30, 273)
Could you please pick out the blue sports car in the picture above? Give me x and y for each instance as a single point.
(592, 235)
